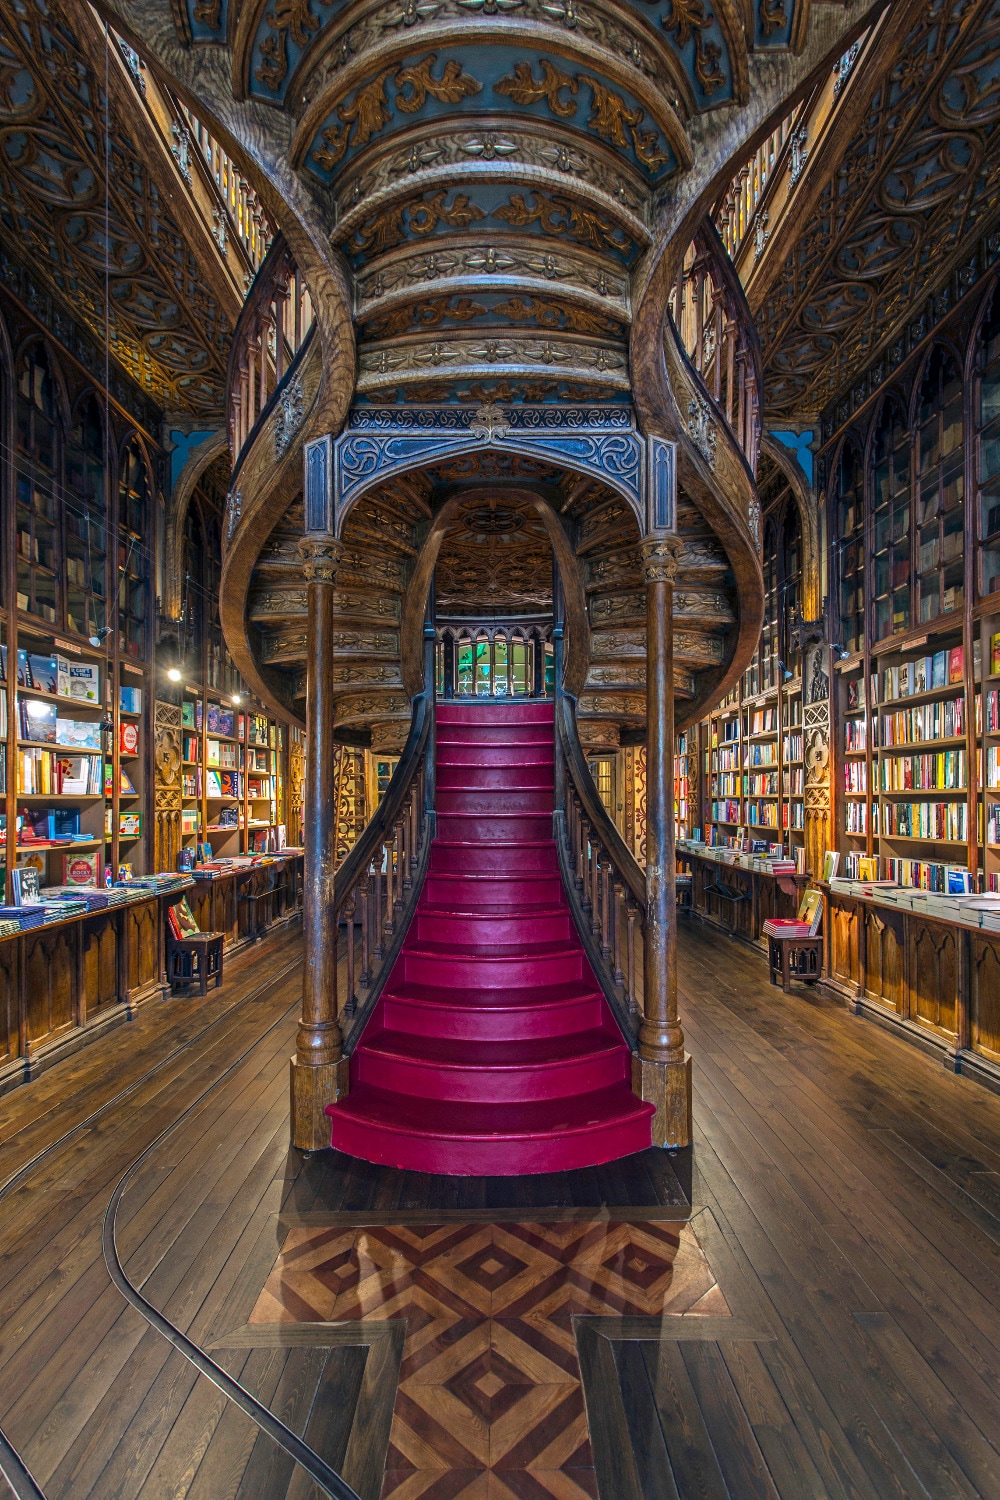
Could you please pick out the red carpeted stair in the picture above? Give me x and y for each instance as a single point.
(492, 1049)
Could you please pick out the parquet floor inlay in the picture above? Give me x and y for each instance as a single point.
(490, 1404)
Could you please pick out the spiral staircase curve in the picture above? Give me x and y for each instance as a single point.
(491, 202)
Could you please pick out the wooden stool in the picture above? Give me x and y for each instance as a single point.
(801, 956)
(206, 948)
(684, 885)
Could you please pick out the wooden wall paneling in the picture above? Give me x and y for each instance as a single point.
(934, 975)
(99, 942)
(50, 981)
(10, 1038)
(884, 978)
(143, 945)
(984, 997)
(844, 922)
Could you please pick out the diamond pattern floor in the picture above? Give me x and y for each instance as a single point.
(489, 1405)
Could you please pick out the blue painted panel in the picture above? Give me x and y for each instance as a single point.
(436, 214)
(510, 81)
(773, 26)
(696, 37)
(491, 309)
(208, 19)
(692, 31)
(184, 445)
(798, 443)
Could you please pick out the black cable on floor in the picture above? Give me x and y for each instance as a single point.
(13, 1469)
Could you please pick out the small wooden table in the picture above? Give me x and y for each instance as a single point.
(798, 956)
(205, 948)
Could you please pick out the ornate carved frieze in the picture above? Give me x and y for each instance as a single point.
(478, 265)
(471, 358)
(578, 27)
(361, 708)
(495, 149)
(288, 415)
(597, 440)
(624, 111)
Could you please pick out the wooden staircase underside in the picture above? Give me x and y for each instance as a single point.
(490, 201)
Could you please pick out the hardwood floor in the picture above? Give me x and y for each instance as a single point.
(845, 1194)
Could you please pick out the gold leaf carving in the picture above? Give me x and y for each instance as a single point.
(522, 88)
(453, 85)
(609, 114)
(288, 18)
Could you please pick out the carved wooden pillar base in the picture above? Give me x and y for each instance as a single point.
(668, 1086)
(313, 1088)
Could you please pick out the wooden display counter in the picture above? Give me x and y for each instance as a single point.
(759, 894)
(65, 983)
(932, 979)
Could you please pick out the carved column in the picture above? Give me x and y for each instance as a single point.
(661, 1073)
(318, 1056)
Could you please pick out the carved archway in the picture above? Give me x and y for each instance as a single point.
(198, 461)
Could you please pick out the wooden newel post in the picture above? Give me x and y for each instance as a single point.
(318, 1056)
(661, 1072)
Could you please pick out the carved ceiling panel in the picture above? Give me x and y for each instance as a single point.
(164, 324)
(496, 559)
(919, 178)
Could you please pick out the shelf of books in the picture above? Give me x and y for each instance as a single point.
(754, 774)
(54, 710)
(685, 758)
(905, 739)
(233, 778)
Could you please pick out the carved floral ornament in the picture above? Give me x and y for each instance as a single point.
(660, 559)
(695, 63)
(617, 119)
(600, 441)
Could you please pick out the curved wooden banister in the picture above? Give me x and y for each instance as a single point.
(376, 889)
(272, 333)
(717, 338)
(604, 883)
(592, 807)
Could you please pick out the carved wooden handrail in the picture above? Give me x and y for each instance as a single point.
(269, 340)
(603, 881)
(377, 887)
(714, 327)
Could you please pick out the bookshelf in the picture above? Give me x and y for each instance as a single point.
(908, 748)
(61, 761)
(753, 770)
(234, 773)
(685, 759)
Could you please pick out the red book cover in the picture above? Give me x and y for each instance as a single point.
(128, 738)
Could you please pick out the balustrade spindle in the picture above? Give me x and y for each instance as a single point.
(378, 947)
(617, 897)
(366, 946)
(595, 897)
(351, 1003)
(630, 915)
(605, 930)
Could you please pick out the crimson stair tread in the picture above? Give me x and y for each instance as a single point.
(570, 992)
(412, 1115)
(445, 952)
(513, 1056)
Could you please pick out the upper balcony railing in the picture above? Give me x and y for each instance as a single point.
(272, 331)
(710, 316)
(762, 192)
(224, 199)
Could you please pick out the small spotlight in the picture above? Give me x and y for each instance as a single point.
(237, 698)
(101, 636)
(173, 674)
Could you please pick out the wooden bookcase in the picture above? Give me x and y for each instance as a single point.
(908, 750)
(753, 773)
(234, 784)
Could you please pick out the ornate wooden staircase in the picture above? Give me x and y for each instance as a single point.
(492, 1048)
(499, 212)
